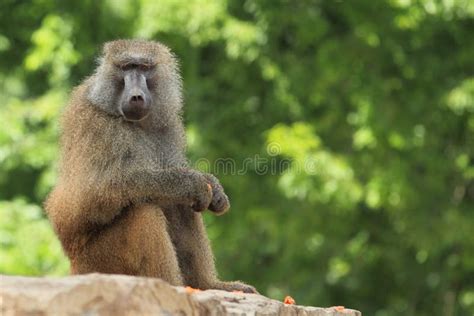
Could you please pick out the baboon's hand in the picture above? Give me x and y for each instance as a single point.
(220, 202)
(200, 192)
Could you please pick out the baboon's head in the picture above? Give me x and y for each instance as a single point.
(136, 78)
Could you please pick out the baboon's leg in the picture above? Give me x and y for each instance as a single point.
(195, 256)
(136, 243)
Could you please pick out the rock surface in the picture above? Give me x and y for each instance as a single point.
(99, 294)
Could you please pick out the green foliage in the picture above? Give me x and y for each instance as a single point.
(28, 244)
(362, 111)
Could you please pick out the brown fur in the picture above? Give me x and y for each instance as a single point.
(125, 201)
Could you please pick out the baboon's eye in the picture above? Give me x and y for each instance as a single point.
(128, 66)
(135, 65)
(146, 67)
(121, 83)
(149, 83)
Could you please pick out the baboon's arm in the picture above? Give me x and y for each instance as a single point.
(81, 205)
(111, 190)
(175, 186)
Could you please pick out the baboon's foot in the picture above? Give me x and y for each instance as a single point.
(235, 286)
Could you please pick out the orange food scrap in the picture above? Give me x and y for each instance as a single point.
(191, 290)
(339, 308)
(238, 292)
(289, 300)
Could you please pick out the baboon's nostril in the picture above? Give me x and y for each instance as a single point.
(136, 100)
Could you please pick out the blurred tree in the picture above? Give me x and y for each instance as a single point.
(362, 109)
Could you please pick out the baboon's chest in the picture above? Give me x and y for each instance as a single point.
(160, 152)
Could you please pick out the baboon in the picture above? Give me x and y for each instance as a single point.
(126, 202)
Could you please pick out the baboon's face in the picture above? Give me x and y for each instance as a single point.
(136, 79)
(134, 83)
